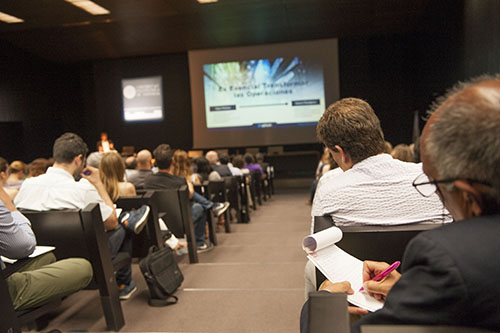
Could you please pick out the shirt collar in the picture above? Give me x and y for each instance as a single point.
(59, 172)
(371, 160)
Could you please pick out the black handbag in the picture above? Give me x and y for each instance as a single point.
(162, 275)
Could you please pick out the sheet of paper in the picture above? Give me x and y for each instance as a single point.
(39, 250)
(322, 239)
(338, 265)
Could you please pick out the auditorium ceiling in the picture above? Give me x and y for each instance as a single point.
(58, 31)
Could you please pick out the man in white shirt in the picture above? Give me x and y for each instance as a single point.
(374, 188)
(57, 189)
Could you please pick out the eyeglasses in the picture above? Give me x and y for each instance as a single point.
(427, 187)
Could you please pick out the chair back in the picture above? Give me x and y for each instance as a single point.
(379, 243)
(174, 208)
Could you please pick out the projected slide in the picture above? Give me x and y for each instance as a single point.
(142, 99)
(262, 93)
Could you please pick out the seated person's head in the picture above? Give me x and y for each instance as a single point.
(202, 166)
(249, 158)
(351, 130)
(17, 169)
(38, 167)
(238, 162)
(460, 146)
(70, 150)
(402, 152)
(112, 172)
(181, 164)
(163, 156)
(223, 158)
(143, 159)
(212, 157)
(259, 157)
(387, 147)
(131, 163)
(94, 159)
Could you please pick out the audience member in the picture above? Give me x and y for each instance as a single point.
(17, 174)
(213, 160)
(259, 157)
(12, 192)
(131, 163)
(224, 160)
(163, 179)
(144, 168)
(42, 279)
(181, 167)
(403, 153)
(112, 173)
(387, 147)
(94, 159)
(105, 145)
(239, 163)
(374, 188)
(37, 167)
(377, 188)
(251, 165)
(57, 189)
(326, 164)
(204, 172)
(449, 273)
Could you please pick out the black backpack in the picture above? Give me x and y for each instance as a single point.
(162, 275)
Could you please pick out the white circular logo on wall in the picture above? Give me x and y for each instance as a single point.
(129, 92)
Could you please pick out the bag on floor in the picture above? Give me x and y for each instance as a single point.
(162, 275)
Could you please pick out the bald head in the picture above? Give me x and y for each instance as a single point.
(461, 140)
(212, 157)
(144, 158)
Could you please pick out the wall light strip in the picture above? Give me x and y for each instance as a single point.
(206, 1)
(9, 18)
(89, 6)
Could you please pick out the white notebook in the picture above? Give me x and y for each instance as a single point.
(338, 265)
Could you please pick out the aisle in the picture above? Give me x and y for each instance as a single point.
(251, 282)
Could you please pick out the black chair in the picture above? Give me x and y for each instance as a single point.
(217, 193)
(212, 232)
(257, 185)
(328, 313)
(80, 233)
(379, 243)
(244, 211)
(151, 235)
(232, 196)
(174, 208)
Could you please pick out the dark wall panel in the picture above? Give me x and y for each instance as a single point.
(107, 116)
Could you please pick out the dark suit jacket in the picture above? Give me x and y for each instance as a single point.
(451, 276)
(222, 170)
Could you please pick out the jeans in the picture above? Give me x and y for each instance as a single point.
(199, 215)
(204, 202)
(119, 242)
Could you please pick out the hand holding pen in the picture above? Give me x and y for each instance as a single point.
(379, 277)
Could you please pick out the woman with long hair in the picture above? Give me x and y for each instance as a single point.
(112, 173)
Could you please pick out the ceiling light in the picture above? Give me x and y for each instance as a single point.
(89, 6)
(9, 18)
(206, 1)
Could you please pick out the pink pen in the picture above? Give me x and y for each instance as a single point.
(385, 272)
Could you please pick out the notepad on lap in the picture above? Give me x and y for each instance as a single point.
(338, 265)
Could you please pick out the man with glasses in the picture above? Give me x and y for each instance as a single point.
(450, 274)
